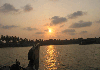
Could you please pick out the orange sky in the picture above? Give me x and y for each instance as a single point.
(67, 19)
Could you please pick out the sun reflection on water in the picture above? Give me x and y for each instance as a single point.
(51, 58)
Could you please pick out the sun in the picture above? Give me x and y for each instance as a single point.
(49, 30)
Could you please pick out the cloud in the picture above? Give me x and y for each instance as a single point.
(27, 8)
(39, 33)
(0, 24)
(8, 8)
(98, 21)
(76, 14)
(30, 29)
(61, 26)
(81, 24)
(69, 31)
(58, 20)
(9, 27)
(83, 32)
(46, 30)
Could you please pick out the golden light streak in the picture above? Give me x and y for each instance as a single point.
(51, 61)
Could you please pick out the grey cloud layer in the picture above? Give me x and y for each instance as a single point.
(81, 24)
(39, 33)
(9, 27)
(98, 21)
(58, 20)
(69, 31)
(61, 26)
(72, 33)
(82, 32)
(46, 30)
(8, 8)
(0, 24)
(76, 14)
(30, 29)
(27, 8)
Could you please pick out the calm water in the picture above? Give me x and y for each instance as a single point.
(56, 57)
(9, 55)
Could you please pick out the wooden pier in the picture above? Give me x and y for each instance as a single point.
(33, 56)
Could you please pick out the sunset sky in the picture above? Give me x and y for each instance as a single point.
(50, 19)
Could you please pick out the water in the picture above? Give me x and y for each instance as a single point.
(9, 55)
(70, 57)
(56, 57)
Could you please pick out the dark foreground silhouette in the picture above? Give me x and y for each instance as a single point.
(33, 57)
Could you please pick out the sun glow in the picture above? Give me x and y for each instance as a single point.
(49, 30)
(50, 33)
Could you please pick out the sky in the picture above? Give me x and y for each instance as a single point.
(33, 19)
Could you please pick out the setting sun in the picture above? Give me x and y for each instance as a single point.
(49, 30)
